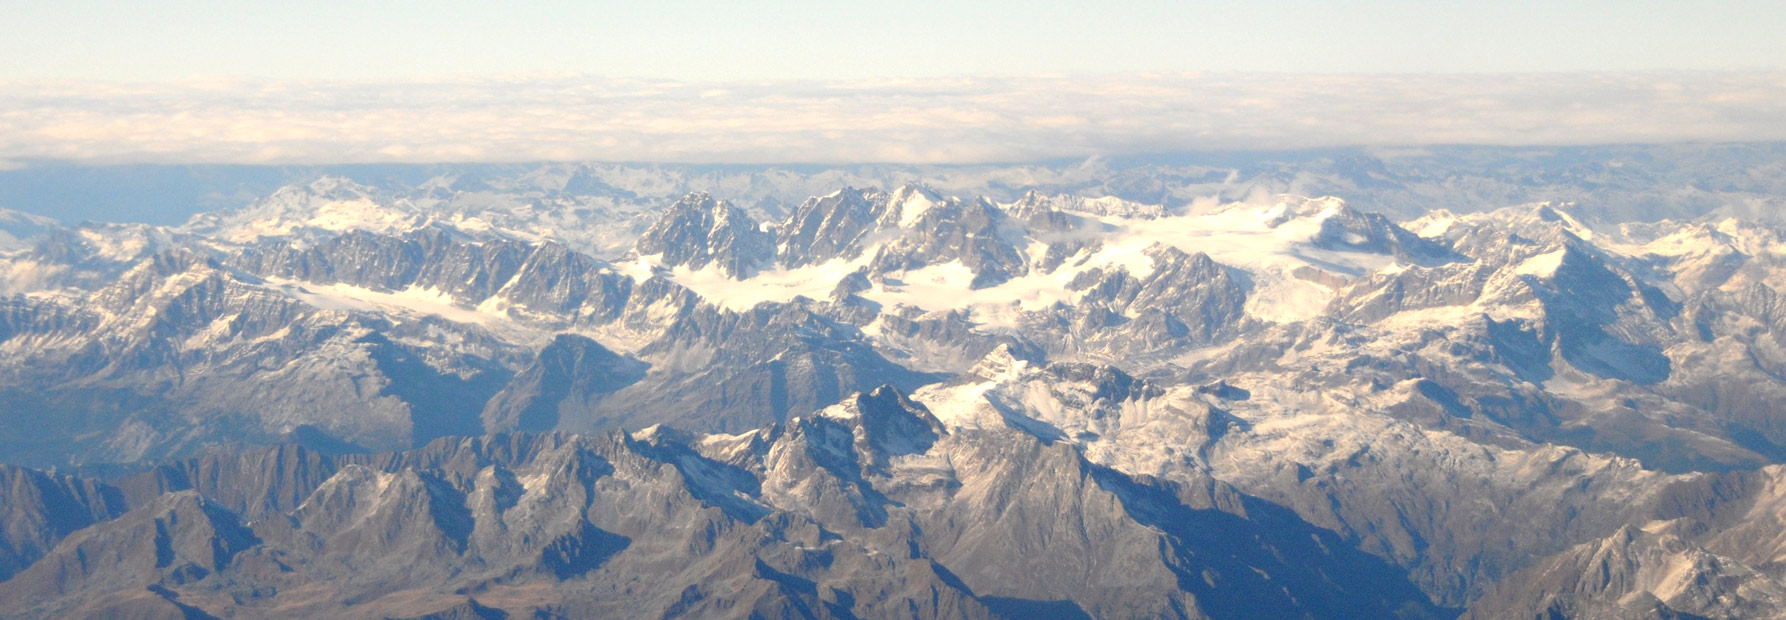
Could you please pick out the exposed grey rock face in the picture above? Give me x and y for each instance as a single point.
(326, 334)
(1092, 407)
(1370, 479)
(176, 538)
(873, 508)
(567, 376)
(1711, 548)
(1186, 301)
(699, 230)
(1352, 230)
(1706, 547)
(41, 509)
(1636, 574)
(905, 229)
(256, 484)
(546, 281)
(1035, 202)
(830, 227)
(941, 230)
(730, 372)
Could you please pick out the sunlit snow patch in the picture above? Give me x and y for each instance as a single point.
(1543, 265)
(413, 301)
(1270, 242)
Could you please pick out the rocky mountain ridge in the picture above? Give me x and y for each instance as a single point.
(887, 400)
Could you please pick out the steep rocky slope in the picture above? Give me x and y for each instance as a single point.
(890, 403)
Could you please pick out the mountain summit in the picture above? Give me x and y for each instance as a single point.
(533, 395)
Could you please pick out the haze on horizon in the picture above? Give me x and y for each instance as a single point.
(96, 82)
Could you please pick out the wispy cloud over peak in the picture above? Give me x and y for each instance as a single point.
(954, 120)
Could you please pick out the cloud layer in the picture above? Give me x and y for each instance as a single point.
(907, 121)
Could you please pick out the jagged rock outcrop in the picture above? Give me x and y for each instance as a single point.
(700, 230)
(1636, 574)
(41, 509)
(871, 508)
(569, 376)
(890, 403)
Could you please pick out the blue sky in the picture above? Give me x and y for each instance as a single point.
(712, 41)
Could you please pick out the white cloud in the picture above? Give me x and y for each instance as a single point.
(954, 120)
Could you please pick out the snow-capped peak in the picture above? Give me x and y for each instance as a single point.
(1289, 208)
(1543, 265)
(1433, 224)
(1559, 213)
(1107, 206)
(911, 202)
(17, 227)
(1001, 364)
(330, 204)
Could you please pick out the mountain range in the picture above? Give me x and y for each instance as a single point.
(469, 398)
